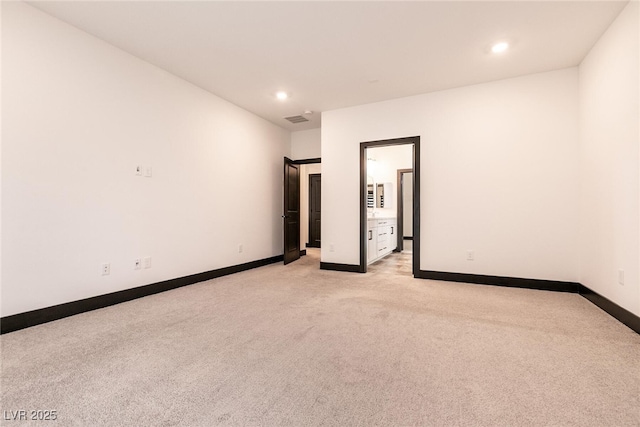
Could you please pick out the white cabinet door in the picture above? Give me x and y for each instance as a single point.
(372, 248)
(393, 235)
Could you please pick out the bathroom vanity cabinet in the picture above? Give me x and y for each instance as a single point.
(381, 238)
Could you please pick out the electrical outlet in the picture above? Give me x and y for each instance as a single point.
(331, 248)
(147, 262)
(138, 170)
(240, 249)
(471, 255)
(138, 264)
(148, 171)
(106, 269)
(621, 277)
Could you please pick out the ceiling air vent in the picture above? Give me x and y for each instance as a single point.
(297, 119)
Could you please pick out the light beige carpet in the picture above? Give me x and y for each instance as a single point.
(293, 345)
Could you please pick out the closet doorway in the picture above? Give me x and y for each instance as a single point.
(302, 225)
(315, 211)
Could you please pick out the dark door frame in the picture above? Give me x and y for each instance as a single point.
(400, 189)
(415, 140)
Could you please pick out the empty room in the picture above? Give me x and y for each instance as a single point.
(324, 213)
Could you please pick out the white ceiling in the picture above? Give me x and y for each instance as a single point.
(330, 55)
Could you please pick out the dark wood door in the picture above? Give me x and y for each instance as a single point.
(314, 210)
(291, 211)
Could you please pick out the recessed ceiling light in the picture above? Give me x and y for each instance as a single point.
(500, 47)
(282, 95)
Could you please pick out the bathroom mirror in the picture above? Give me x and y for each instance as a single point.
(370, 197)
(379, 195)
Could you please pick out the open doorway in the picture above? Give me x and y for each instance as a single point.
(379, 233)
(302, 223)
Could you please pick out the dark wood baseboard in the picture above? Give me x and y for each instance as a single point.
(48, 314)
(303, 252)
(622, 315)
(514, 282)
(613, 309)
(351, 268)
(407, 237)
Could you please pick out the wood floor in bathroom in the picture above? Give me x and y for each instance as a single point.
(396, 262)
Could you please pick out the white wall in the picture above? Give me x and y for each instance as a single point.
(609, 160)
(305, 144)
(499, 175)
(1, 298)
(78, 116)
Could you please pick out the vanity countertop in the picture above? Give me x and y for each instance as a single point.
(381, 217)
